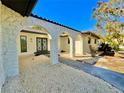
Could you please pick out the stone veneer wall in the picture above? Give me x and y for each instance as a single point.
(2, 78)
(11, 23)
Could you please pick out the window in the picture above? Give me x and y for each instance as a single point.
(68, 41)
(89, 40)
(23, 42)
(95, 41)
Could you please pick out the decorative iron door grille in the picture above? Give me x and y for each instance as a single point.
(42, 44)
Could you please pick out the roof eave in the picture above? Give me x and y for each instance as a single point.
(21, 6)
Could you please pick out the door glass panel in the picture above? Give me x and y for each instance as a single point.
(23, 41)
(44, 44)
(41, 44)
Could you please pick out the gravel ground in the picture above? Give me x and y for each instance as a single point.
(37, 75)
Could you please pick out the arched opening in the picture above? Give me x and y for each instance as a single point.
(33, 45)
(64, 43)
(78, 45)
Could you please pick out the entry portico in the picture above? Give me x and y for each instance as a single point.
(12, 23)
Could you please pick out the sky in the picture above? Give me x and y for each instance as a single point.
(76, 14)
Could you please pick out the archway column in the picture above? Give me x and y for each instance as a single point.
(72, 47)
(54, 50)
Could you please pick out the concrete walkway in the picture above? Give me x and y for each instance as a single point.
(115, 79)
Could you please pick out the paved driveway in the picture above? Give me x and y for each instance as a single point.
(111, 77)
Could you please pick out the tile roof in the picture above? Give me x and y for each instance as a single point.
(36, 16)
(92, 33)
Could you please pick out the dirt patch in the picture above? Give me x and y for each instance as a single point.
(112, 63)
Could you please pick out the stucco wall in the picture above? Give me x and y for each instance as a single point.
(31, 42)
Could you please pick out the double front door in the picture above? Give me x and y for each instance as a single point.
(42, 45)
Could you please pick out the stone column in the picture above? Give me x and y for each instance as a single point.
(10, 57)
(54, 51)
(72, 47)
(12, 23)
(2, 78)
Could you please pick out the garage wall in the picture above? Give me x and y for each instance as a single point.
(78, 48)
(79, 45)
(31, 42)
